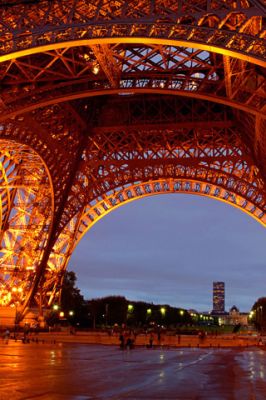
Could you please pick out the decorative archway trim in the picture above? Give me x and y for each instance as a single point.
(258, 60)
(93, 213)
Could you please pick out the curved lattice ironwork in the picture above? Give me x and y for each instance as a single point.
(25, 228)
(94, 211)
(108, 101)
(231, 26)
(68, 74)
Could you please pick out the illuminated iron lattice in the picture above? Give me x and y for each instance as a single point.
(105, 102)
(26, 216)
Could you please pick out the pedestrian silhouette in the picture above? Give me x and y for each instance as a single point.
(6, 335)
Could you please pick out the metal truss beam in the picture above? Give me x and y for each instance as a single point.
(107, 63)
(36, 82)
(233, 27)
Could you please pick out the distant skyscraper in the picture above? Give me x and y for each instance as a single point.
(218, 297)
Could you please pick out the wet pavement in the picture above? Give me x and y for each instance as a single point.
(81, 372)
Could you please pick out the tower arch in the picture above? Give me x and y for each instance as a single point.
(226, 174)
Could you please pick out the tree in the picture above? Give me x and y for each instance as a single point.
(72, 301)
(71, 298)
(259, 314)
(72, 304)
(108, 310)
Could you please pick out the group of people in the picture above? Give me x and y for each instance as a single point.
(127, 340)
(151, 339)
(24, 338)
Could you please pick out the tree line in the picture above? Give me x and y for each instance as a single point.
(111, 310)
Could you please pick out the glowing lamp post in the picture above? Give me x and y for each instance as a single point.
(163, 311)
(130, 308)
(251, 314)
(148, 314)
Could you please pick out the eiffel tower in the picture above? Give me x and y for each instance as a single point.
(107, 101)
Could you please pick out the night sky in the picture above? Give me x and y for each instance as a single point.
(168, 249)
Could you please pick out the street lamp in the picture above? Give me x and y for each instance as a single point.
(130, 313)
(163, 311)
(130, 307)
(251, 314)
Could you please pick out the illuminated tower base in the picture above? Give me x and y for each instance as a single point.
(7, 316)
(10, 317)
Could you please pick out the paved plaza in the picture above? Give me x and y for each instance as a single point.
(79, 372)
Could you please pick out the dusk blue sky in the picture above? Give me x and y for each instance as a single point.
(168, 249)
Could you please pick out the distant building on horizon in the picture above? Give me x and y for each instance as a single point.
(234, 317)
(218, 298)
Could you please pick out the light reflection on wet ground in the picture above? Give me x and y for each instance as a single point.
(83, 372)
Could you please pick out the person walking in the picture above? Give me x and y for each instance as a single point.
(122, 341)
(151, 340)
(6, 336)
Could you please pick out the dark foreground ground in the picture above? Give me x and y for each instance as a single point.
(79, 372)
